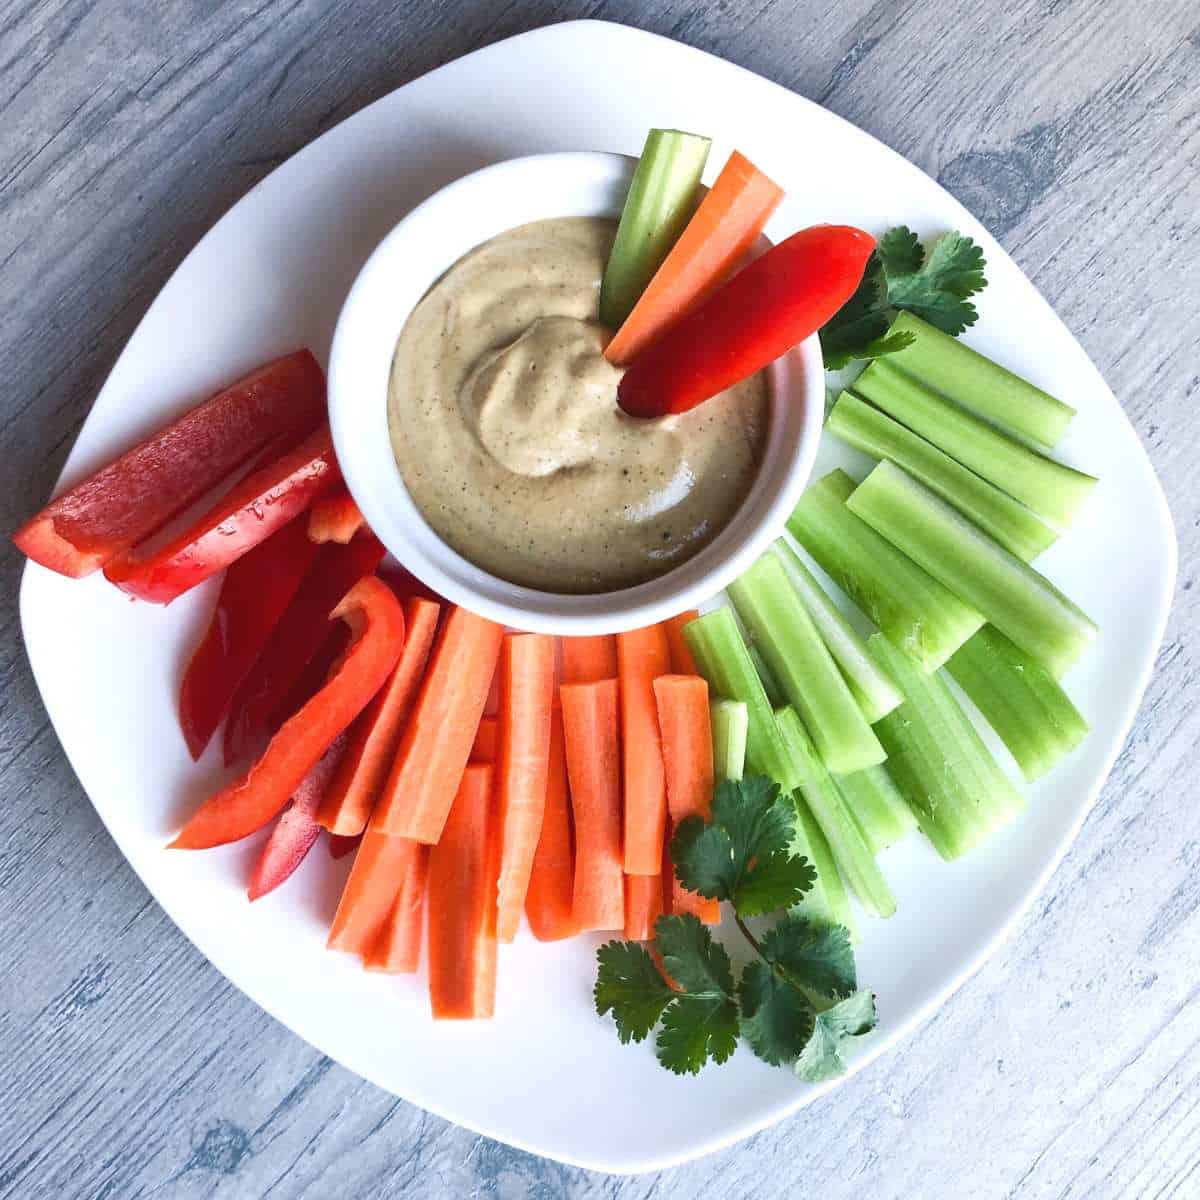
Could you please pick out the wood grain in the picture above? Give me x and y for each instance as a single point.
(1070, 1066)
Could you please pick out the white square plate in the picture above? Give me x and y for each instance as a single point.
(547, 1075)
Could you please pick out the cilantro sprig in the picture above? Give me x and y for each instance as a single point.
(901, 276)
(796, 1002)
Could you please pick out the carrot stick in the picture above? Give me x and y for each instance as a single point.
(437, 741)
(549, 899)
(642, 655)
(527, 664)
(486, 740)
(397, 948)
(462, 893)
(591, 740)
(683, 718)
(643, 905)
(370, 892)
(682, 662)
(723, 228)
(350, 799)
(589, 659)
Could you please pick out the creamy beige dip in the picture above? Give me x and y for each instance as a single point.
(505, 426)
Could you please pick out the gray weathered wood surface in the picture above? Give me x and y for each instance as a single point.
(1070, 1066)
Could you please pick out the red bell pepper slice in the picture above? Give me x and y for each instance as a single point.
(762, 312)
(296, 829)
(255, 593)
(334, 518)
(137, 494)
(266, 500)
(376, 622)
(277, 678)
(340, 846)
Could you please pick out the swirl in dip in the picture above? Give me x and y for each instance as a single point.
(504, 422)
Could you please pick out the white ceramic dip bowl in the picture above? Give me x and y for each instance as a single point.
(406, 263)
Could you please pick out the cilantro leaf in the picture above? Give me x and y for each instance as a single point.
(696, 1029)
(742, 854)
(823, 1057)
(629, 985)
(693, 960)
(777, 1018)
(900, 251)
(938, 288)
(813, 955)
(859, 323)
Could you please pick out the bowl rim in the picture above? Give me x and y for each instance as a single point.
(361, 334)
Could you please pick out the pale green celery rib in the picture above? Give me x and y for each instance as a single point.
(1009, 593)
(730, 724)
(826, 900)
(914, 611)
(876, 805)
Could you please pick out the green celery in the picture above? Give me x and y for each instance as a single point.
(938, 760)
(1011, 594)
(850, 850)
(1051, 489)
(720, 653)
(1019, 699)
(920, 615)
(996, 394)
(827, 901)
(876, 694)
(795, 655)
(770, 683)
(876, 804)
(662, 197)
(730, 721)
(994, 511)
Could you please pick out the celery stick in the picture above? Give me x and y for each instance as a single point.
(770, 684)
(1011, 594)
(721, 655)
(977, 383)
(918, 614)
(939, 762)
(730, 721)
(785, 634)
(995, 512)
(1051, 489)
(850, 850)
(876, 694)
(876, 805)
(662, 197)
(827, 900)
(1020, 700)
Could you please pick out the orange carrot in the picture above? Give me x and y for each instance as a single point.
(437, 741)
(723, 228)
(589, 659)
(486, 740)
(370, 893)
(462, 892)
(682, 662)
(591, 739)
(347, 804)
(683, 718)
(643, 905)
(526, 697)
(334, 518)
(548, 902)
(642, 655)
(397, 948)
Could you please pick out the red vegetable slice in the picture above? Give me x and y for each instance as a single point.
(377, 625)
(334, 518)
(762, 312)
(245, 516)
(296, 829)
(298, 637)
(255, 593)
(137, 494)
(340, 846)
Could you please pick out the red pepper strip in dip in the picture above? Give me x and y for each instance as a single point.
(245, 516)
(255, 593)
(376, 623)
(770, 306)
(136, 494)
(334, 518)
(296, 828)
(265, 693)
